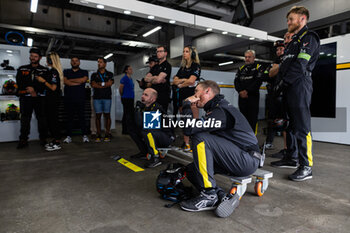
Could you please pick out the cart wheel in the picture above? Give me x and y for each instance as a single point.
(162, 155)
(148, 156)
(233, 190)
(258, 188)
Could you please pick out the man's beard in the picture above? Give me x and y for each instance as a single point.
(293, 28)
(75, 67)
(34, 62)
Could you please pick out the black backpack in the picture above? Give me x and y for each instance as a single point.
(169, 184)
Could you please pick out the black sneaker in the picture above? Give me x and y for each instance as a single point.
(207, 200)
(138, 156)
(281, 154)
(22, 144)
(285, 163)
(154, 162)
(54, 146)
(227, 205)
(303, 173)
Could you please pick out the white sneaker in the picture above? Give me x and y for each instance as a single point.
(269, 146)
(86, 138)
(67, 140)
(53, 147)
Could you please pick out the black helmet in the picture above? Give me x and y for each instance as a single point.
(12, 112)
(278, 43)
(35, 50)
(9, 87)
(169, 183)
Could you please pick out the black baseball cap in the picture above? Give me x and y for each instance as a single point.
(152, 58)
(278, 43)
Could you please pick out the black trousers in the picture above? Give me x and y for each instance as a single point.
(155, 139)
(72, 106)
(128, 114)
(299, 140)
(275, 111)
(51, 108)
(27, 105)
(148, 141)
(136, 135)
(249, 107)
(213, 154)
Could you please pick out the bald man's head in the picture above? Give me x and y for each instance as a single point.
(149, 96)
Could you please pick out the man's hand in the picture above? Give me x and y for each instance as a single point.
(31, 91)
(279, 88)
(193, 99)
(243, 94)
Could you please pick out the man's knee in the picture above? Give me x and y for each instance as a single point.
(107, 115)
(202, 137)
(98, 116)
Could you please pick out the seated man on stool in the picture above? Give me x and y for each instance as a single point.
(148, 140)
(229, 148)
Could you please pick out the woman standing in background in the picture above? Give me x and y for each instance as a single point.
(53, 98)
(126, 90)
(185, 80)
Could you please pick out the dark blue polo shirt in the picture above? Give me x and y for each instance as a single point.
(128, 91)
(75, 93)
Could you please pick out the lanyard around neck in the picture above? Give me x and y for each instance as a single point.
(102, 77)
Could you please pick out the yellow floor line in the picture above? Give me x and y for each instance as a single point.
(130, 165)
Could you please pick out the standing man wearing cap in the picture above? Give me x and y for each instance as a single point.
(273, 103)
(31, 97)
(152, 62)
(160, 79)
(299, 60)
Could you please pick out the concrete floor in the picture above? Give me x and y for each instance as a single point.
(81, 189)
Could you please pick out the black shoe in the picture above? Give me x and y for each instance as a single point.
(207, 200)
(281, 154)
(227, 205)
(22, 144)
(285, 163)
(154, 162)
(138, 155)
(303, 173)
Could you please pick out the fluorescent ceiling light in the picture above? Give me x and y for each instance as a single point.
(224, 33)
(239, 35)
(127, 12)
(29, 42)
(8, 51)
(209, 29)
(172, 21)
(226, 63)
(321, 53)
(108, 55)
(251, 38)
(33, 6)
(329, 54)
(99, 6)
(150, 17)
(152, 31)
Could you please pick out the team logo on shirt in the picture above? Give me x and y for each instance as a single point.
(151, 120)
